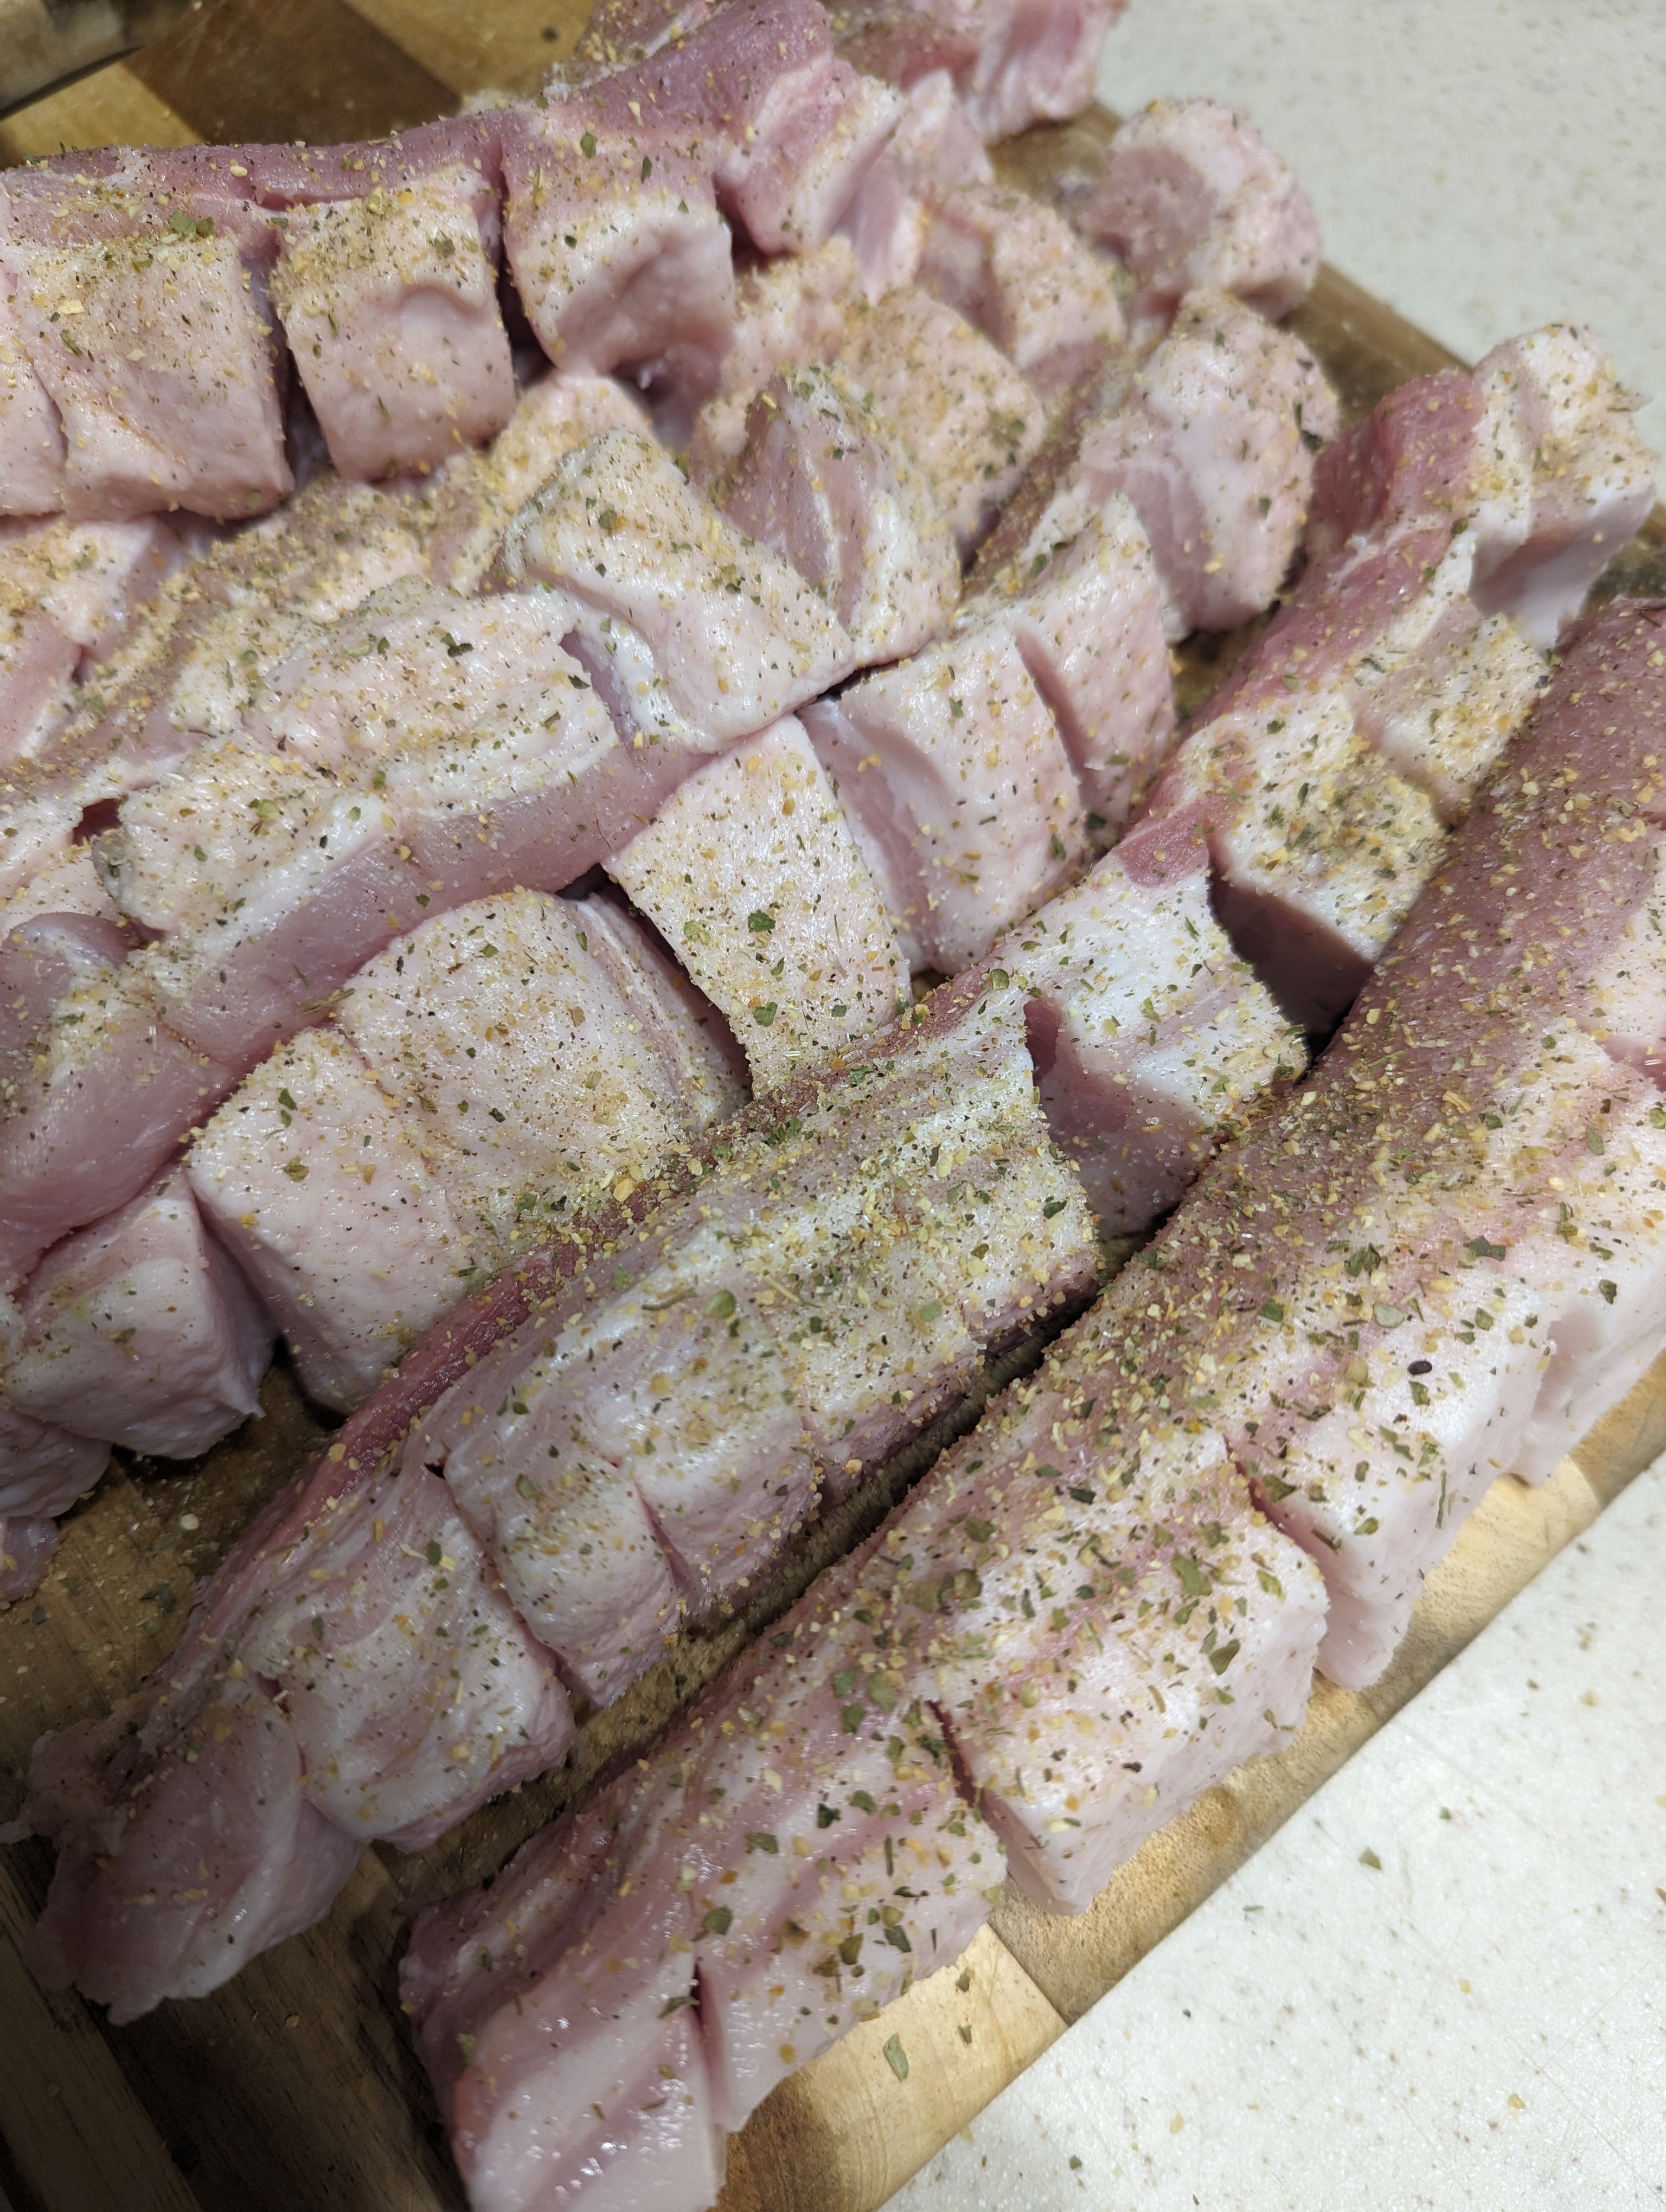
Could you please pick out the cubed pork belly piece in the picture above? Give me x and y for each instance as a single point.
(1212, 438)
(1559, 422)
(738, 638)
(822, 481)
(28, 1547)
(69, 592)
(509, 1052)
(320, 1188)
(618, 253)
(700, 1057)
(297, 883)
(157, 353)
(784, 126)
(98, 1091)
(1535, 451)
(389, 303)
(1148, 1034)
(67, 883)
(1087, 610)
(1018, 273)
(1191, 195)
(32, 447)
(750, 871)
(790, 313)
(958, 788)
(1101, 1621)
(1319, 847)
(1014, 63)
(413, 1696)
(963, 413)
(934, 148)
(141, 1331)
(201, 1804)
(698, 1409)
(476, 496)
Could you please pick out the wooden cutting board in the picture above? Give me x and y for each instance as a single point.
(296, 2085)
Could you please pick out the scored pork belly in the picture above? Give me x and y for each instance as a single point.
(704, 1066)
(32, 450)
(1443, 1159)
(750, 871)
(511, 1054)
(961, 411)
(737, 637)
(410, 1694)
(1146, 1030)
(1535, 452)
(823, 480)
(141, 1331)
(742, 1366)
(789, 313)
(389, 303)
(136, 306)
(958, 788)
(666, 1963)
(934, 148)
(320, 1188)
(1016, 270)
(97, 1091)
(1014, 63)
(1086, 610)
(474, 497)
(69, 592)
(1319, 847)
(1212, 438)
(618, 253)
(785, 128)
(1191, 195)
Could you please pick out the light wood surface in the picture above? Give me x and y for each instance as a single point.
(296, 2086)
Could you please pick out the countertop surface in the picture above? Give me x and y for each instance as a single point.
(1480, 2019)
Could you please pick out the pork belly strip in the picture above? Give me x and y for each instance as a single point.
(1445, 1253)
(1069, 1630)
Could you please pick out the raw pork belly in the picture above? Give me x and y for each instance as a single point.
(389, 303)
(69, 592)
(1535, 452)
(735, 636)
(661, 1447)
(142, 1332)
(790, 313)
(917, 1692)
(487, 1070)
(822, 480)
(963, 770)
(750, 871)
(1015, 62)
(1190, 196)
(136, 301)
(1454, 1232)
(961, 411)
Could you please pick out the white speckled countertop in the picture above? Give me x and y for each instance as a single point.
(1481, 2023)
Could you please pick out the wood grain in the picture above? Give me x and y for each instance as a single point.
(296, 2086)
